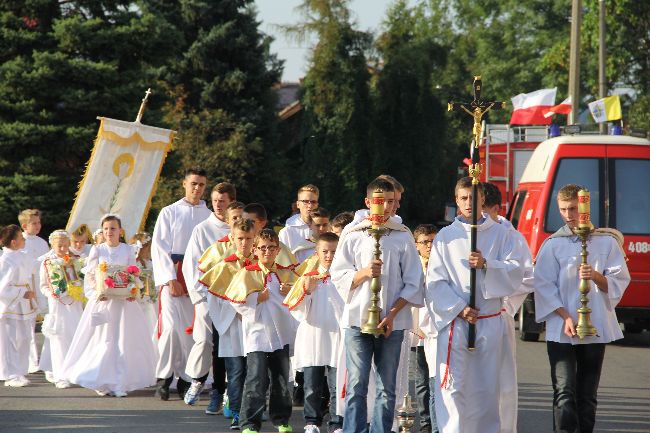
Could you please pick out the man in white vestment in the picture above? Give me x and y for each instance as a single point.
(468, 383)
(297, 227)
(171, 235)
(206, 341)
(576, 363)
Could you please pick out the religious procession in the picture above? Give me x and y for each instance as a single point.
(269, 257)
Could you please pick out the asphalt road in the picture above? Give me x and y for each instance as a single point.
(624, 401)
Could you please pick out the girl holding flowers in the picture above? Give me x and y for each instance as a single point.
(61, 283)
(112, 351)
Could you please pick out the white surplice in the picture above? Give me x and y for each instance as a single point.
(199, 360)
(318, 336)
(267, 326)
(64, 314)
(171, 235)
(304, 250)
(16, 313)
(112, 350)
(469, 400)
(294, 232)
(556, 285)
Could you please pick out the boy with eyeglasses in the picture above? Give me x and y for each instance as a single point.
(256, 292)
(297, 226)
(423, 340)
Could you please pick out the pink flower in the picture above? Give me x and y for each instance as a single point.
(109, 282)
(133, 270)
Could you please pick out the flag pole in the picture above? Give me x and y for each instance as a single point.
(142, 105)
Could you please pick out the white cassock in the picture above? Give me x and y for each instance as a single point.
(294, 232)
(17, 314)
(112, 350)
(556, 285)
(204, 234)
(171, 235)
(401, 278)
(318, 336)
(59, 326)
(267, 326)
(35, 247)
(304, 250)
(468, 384)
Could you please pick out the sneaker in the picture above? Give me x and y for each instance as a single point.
(216, 403)
(249, 430)
(286, 428)
(311, 428)
(49, 376)
(193, 393)
(227, 413)
(62, 384)
(119, 394)
(234, 425)
(338, 430)
(102, 393)
(17, 382)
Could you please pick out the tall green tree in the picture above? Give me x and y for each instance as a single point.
(222, 102)
(337, 155)
(409, 122)
(61, 65)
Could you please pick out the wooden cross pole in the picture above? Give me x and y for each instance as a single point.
(477, 109)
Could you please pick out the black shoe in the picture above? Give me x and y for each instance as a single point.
(182, 388)
(162, 388)
(425, 429)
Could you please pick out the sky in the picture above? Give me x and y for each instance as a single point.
(368, 15)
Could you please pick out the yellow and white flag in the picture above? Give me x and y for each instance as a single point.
(605, 109)
(121, 175)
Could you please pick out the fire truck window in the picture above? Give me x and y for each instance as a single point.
(516, 212)
(582, 171)
(631, 203)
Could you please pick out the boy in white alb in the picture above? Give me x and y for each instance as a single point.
(17, 308)
(227, 322)
(35, 247)
(257, 292)
(319, 223)
(297, 226)
(171, 235)
(204, 352)
(424, 342)
(576, 363)
(468, 383)
(316, 304)
(402, 284)
(62, 285)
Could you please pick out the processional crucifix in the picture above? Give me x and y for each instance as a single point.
(477, 109)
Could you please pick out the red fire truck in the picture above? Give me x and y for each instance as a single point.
(530, 168)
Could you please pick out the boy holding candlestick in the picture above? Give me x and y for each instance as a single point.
(576, 363)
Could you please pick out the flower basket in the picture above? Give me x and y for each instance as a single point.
(117, 282)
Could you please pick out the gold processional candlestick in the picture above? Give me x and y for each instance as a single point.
(477, 109)
(406, 415)
(376, 231)
(585, 328)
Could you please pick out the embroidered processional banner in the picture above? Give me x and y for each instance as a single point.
(121, 175)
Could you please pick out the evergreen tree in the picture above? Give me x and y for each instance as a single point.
(336, 155)
(222, 102)
(409, 123)
(61, 65)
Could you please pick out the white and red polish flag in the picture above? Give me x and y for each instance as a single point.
(563, 107)
(529, 108)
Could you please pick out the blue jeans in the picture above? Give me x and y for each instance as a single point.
(432, 405)
(236, 371)
(313, 397)
(360, 352)
(575, 374)
(262, 369)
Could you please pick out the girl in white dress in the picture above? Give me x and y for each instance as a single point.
(112, 351)
(60, 284)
